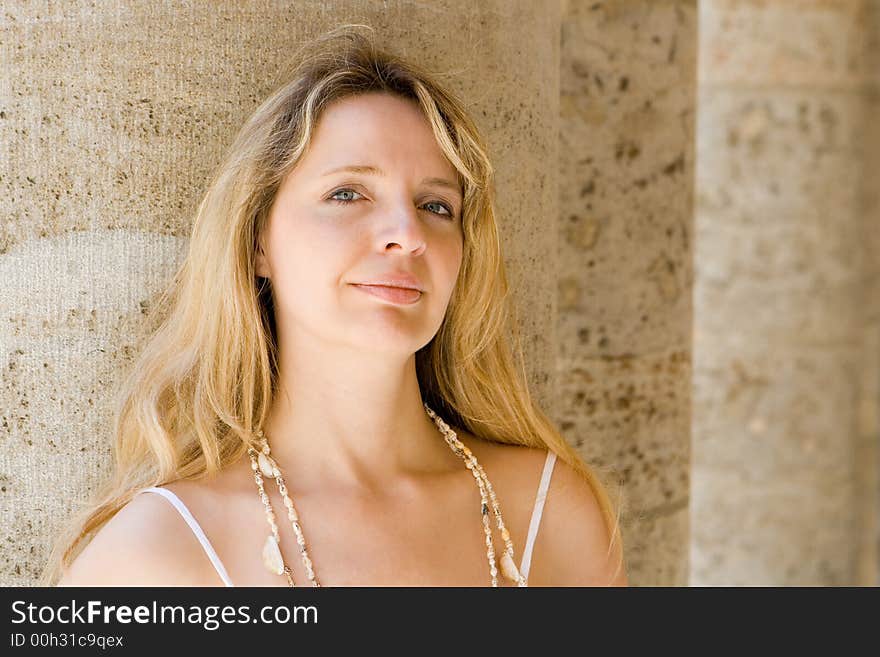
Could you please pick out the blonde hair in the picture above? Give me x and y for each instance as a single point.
(204, 382)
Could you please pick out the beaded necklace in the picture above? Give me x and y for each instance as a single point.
(264, 465)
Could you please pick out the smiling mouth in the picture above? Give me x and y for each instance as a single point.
(398, 295)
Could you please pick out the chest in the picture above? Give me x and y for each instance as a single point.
(436, 541)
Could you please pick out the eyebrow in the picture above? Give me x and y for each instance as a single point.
(369, 170)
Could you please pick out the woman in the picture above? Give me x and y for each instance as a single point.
(344, 300)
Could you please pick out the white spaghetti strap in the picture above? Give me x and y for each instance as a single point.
(195, 527)
(536, 513)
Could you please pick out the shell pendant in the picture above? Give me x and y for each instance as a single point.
(265, 465)
(508, 567)
(272, 556)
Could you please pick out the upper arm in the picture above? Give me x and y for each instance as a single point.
(577, 549)
(146, 543)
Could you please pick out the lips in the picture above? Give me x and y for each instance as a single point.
(394, 278)
(398, 295)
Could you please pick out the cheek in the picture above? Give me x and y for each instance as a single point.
(304, 247)
(306, 266)
(452, 264)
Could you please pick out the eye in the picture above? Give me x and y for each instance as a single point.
(345, 201)
(449, 211)
(342, 191)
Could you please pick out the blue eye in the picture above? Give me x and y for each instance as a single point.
(346, 201)
(444, 206)
(343, 191)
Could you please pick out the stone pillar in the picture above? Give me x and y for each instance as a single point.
(113, 117)
(627, 139)
(786, 315)
(868, 455)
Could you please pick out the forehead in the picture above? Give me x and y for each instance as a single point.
(376, 126)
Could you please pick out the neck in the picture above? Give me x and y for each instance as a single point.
(354, 423)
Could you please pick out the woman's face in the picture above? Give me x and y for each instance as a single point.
(330, 230)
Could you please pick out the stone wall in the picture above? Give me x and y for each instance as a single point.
(786, 331)
(626, 263)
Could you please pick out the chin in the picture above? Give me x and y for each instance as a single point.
(391, 338)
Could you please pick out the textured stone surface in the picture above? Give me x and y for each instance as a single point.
(69, 330)
(813, 43)
(113, 117)
(628, 93)
(785, 337)
(868, 454)
(655, 547)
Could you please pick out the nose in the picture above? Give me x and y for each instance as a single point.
(403, 231)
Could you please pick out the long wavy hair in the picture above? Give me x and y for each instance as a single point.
(204, 382)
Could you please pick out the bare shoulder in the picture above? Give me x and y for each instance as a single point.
(573, 546)
(517, 468)
(146, 543)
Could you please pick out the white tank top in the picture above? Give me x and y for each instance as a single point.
(221, 569)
